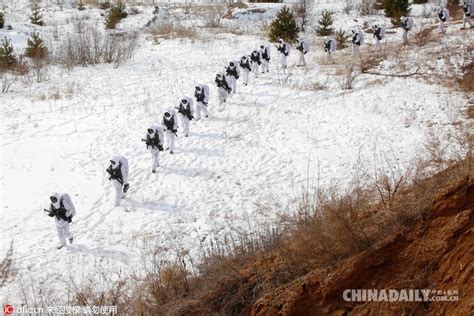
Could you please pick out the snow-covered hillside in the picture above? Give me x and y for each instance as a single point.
(236, 171)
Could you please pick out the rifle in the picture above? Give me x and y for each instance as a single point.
(60, 215)
(184, 112)
(112, 176)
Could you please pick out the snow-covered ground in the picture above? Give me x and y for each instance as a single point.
(236, 171)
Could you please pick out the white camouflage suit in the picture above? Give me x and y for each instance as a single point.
(379, 35)
(63, 203)
(201, 93)
(329, 48)
(443, 16)
(265, 58)
(153, 139)
(222, 87)
(119, 165)
(407, 25)
(245, 69)
(467, 8)
(303, 49)
(284, 50)
(357, 41)
(255, 62)
(186, 105)
(232, 74)
(170, 125)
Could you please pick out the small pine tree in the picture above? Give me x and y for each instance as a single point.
(341, 38)
(325, 24)
(284, 26)
(116, 13)
(81, 6)
(2, 20)
(36, 48)
(8, 58)
(36, 17)
(395, 9)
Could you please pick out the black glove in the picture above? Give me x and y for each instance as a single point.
(160, 148)
(175, 131)
(125, 187)
(69, 219)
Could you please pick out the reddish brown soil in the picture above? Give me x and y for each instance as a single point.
(437, 252)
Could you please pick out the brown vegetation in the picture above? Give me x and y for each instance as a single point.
(467, 81)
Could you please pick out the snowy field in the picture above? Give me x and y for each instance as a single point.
(235, 172)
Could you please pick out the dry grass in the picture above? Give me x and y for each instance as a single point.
(7, 270)
(470, 112)
(425, 36)
(171, 31)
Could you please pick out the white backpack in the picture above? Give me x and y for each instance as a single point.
(65, 197)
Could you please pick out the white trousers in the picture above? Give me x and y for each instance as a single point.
(405, 37)
(222, 95)
(355, 49)
(170, 140)
(265, 66)
(155, 156)
(118, 191)
(329, 57)
(185, 124)
(254, 67)
(442, 26)
(63, 233)
(283, 60)
(200, 107)
(245, 76)
(378, 45)
(302, 61)
(233, 84)
(467, 19)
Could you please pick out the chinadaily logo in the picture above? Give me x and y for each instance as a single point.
(399, 295)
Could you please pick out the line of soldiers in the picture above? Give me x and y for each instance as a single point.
(226, 81)
(406, 23)
(62, 207)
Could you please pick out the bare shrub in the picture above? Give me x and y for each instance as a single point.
(119, 48)
(213, 20)
(169, 31)
(366, 7)
(284, 78)
(349, 5)
(7, 82)
(301, 12)
(424, 36)
(370, 61)
(38, 65)
(91, 47)
(385, 179)
(7, 270)
(350, 73)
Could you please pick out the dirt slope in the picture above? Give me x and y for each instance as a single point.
(437, 252)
